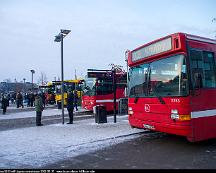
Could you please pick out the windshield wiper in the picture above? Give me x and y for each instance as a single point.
(155, 88)
(159, 97)
(136, 99)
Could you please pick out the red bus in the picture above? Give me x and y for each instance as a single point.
(172, 86)
(99, 90)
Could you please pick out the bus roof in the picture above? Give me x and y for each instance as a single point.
(188, 36)
(198, 38)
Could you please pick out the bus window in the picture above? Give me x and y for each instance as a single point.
(203, 68)
(197, 68)
(209, 68)
(104, 87)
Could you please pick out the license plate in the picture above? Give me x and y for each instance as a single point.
(147, 126)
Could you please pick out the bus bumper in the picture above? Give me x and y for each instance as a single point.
(181, 130)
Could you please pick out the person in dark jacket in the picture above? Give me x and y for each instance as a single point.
(4, 103)
(70, 106)
(19, 100)
(32, 98)
(38, 108)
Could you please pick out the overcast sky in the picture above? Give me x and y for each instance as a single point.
(101, 32)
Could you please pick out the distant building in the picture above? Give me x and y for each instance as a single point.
(6, 87)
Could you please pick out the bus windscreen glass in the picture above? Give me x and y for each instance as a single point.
(166, 77)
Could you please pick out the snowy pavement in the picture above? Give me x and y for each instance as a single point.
(27, 114)
(35, 147)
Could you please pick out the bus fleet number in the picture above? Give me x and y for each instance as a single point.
(175, 100)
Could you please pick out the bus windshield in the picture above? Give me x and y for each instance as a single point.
(165, 77)
(89, 89)
(98, 86)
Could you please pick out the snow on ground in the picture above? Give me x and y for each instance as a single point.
(27, 114)
(35, 147)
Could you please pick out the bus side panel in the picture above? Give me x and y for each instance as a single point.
(88, 102)
(204, 128)
(108, 100)
(204, 114)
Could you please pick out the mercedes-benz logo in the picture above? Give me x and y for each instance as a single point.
(147, 108)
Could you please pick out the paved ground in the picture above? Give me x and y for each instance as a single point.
(25, 117)
(34, 147)
(149, 151)
(87, 145)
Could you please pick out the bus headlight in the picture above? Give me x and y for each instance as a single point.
(130, 111)
(175, 116)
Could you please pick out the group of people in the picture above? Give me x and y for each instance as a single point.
(72, 98)
(38, 100)
(18, 99)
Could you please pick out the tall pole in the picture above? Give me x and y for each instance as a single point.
(32, 71)
(75, 82)
(59, 38)
(24, 88)
(126, 59)
(62, 80)
(114, 92)
(15, 84)
(32, 81)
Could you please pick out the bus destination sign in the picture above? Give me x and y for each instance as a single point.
(152, 49)
(99, 74)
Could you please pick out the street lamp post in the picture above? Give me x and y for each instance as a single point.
(114, 92)
(24, 88)
(32, 71)
(59, 38)
(126, 60)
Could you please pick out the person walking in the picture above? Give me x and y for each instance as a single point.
(4, 103)
(19, 100)
(28, 99)
(8, 99)
(31, 97)
(43, 99)
(38, 108)
(70, 106)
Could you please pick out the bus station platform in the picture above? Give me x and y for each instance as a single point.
(27, 118)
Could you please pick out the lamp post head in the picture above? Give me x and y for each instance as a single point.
(61, 35)
(58, 38)
(65, 31)
(32, 71)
